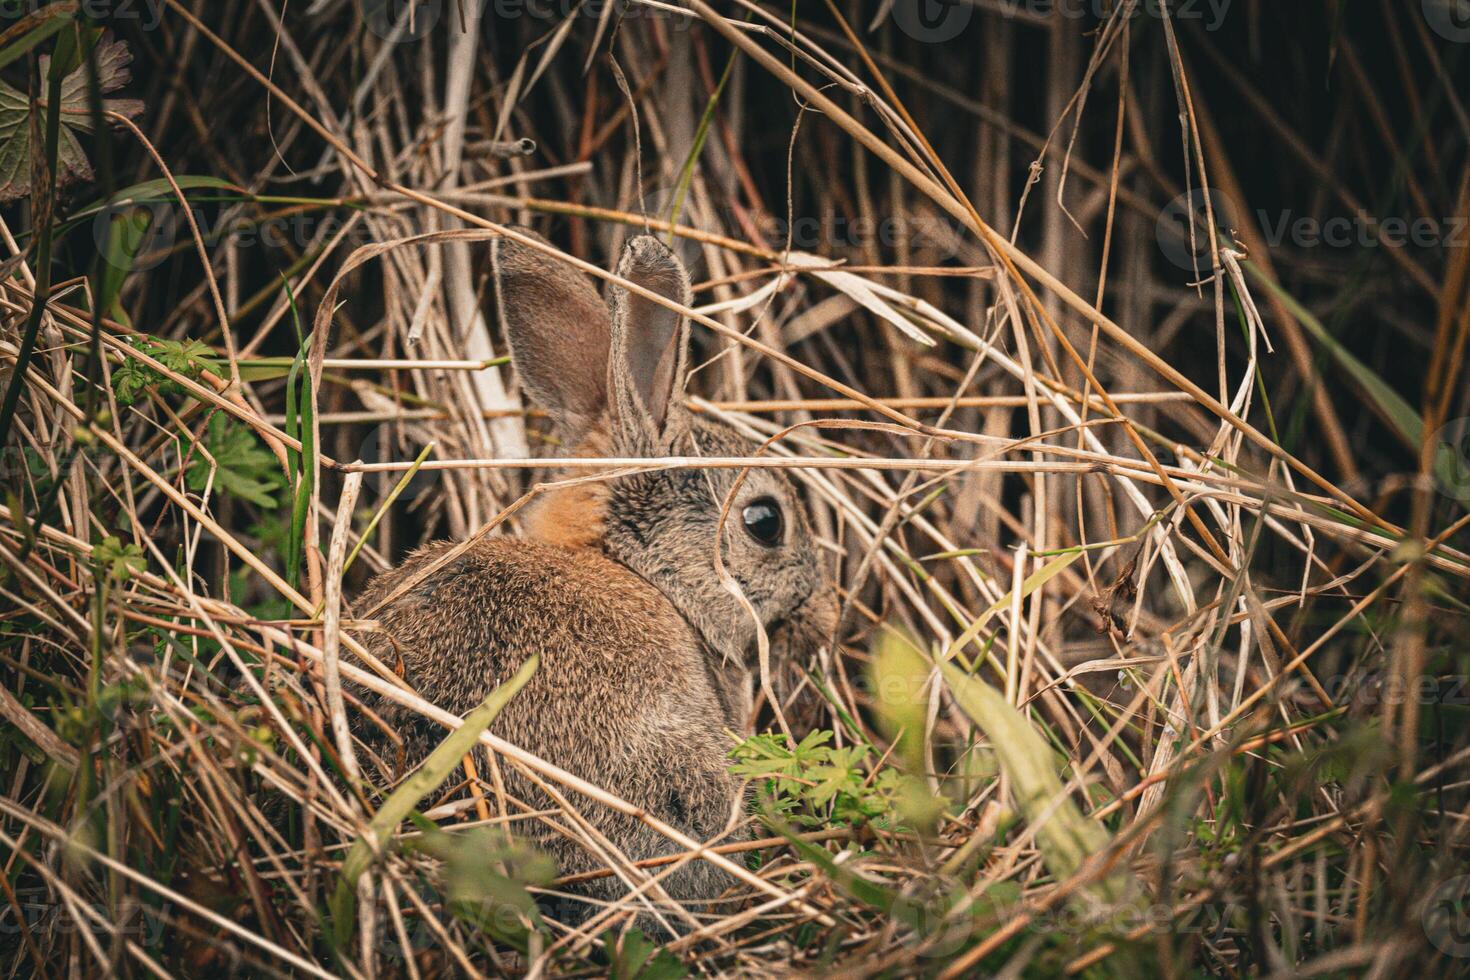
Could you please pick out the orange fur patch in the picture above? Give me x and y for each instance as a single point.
(574, 517)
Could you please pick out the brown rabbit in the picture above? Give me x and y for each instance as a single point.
(646, 657)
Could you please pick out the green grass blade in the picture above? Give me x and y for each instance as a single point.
(429, 777)
(1388, 403)
(1033, 582)
(398, 488)
(1065, 836)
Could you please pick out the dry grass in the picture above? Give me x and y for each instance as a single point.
(1154, 561)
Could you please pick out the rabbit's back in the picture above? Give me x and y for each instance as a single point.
(625, 695)
(618, 662)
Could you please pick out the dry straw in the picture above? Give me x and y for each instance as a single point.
(1181, 615)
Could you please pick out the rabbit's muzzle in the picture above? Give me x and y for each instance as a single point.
(809, 628)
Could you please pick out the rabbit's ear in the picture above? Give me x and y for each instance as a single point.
(650, 342)
(557, 327)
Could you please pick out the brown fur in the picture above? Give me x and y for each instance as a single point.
(645, 655)
(623, 697)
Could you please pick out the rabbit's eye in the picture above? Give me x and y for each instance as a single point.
(763, 521)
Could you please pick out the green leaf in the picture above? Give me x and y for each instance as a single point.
(242, 466)
(186, 357)
(125, 233)
(686, 172)
(300, 406)
(815, 783)
(153, 191)
(76, 41)
(393, 495)
(112, 58)
(636, 957)
(129, 229)
(121, 561)
(863, 889)
(899, 673)
(1033, 582)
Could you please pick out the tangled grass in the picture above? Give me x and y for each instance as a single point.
(1119, 353)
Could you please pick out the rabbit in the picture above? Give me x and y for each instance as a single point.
(646, 658)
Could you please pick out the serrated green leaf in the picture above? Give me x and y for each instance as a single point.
(242, 466)
(186, 357)
(121, 561)
(112, 58)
